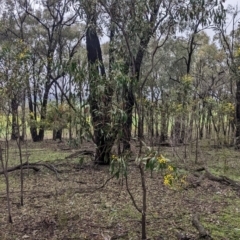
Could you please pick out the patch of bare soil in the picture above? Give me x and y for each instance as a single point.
(75, 205)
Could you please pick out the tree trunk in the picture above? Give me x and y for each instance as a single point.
(43, 111)
(176, 131)
(164, 125)
(37, 137)
(238, 114)
(14, 106)
(23, 117)
(104, 136)
(32, 104)
(127, 126)
(57, 134)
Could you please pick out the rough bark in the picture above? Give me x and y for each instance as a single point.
(127, 126)
(15, 127)
(238, 115)
(99, 105)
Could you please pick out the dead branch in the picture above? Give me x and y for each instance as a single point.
(34, 166)
(105, 183)
(18, 167)
(131, 196)
(203, 234)
(199, 180)
(222, 179)
(182, 236)
(207, 174)
(48, 166)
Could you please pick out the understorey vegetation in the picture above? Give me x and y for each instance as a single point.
(119, 119)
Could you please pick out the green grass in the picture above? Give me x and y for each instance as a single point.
(226, 225)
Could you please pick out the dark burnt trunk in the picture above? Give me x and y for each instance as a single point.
(164, 131)
(129, 101)
(43, 112)
(127, 126)
(33, 110)
(136, 68)
(238, 114)
(15, 127)
(32, 104)
(99, 105)
(164, 119)
(57, 134)
(37, 137)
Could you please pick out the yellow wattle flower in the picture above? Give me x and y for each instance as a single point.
(170, 168)
(161, 159)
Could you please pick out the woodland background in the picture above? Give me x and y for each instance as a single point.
(159, 94)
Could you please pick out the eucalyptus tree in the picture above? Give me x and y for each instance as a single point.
(213, 88)
(13, 20)
(200, 15)
(230, 44)
(131, 25)
(142, 20)
(101, 88)
(51, 20)
(158, 87)
(135, 27)
(14, 57)
(128, 42)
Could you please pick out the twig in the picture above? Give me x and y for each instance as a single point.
(105, 182)
(131, 196)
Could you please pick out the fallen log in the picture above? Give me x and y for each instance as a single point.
(203, 234)
(222, 179)
(18, 167)
(33, 166)
(207, 174)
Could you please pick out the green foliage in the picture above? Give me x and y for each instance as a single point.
(153, 161)
(58, 116)
(14, 57)
(118, 166)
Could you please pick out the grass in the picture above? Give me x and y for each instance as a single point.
(74, 208)
(226, 224)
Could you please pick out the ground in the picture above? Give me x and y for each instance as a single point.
(73, 204)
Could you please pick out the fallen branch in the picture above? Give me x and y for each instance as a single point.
(105, 183)
(221, 179)
(24, 166)
(203, 234)
(199, 180)
(33, 166)
(182, 236)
